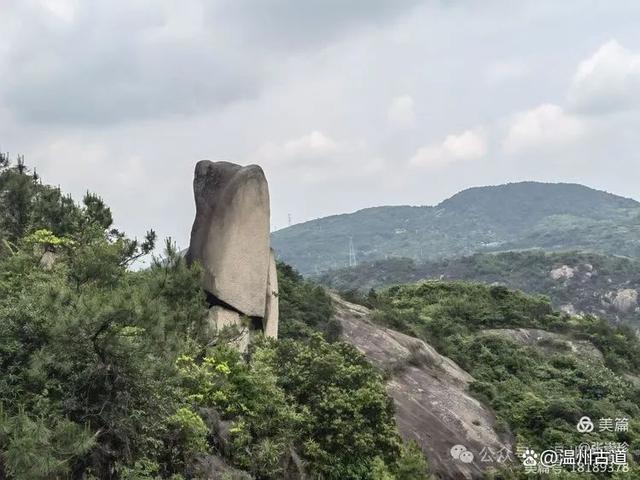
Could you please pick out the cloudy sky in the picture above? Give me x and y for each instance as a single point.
(345, 104)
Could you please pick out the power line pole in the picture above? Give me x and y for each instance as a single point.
(289, 219)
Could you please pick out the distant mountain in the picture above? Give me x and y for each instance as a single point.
(516, 216)
(602, 285)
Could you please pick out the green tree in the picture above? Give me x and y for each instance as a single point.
(411, 465)
(350, 415)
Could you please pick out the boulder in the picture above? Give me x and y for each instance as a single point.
(626, 300)
(565, 272)
(270, 324)
(230, 234)
(229, 326)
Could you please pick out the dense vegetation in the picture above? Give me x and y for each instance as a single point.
(109, 373)
(305, 307)
(591, 287)
(487, 219)
(539, 391)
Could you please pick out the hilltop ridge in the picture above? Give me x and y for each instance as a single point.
(514, 216)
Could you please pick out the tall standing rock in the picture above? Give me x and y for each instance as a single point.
(230, 235)
(230, 238)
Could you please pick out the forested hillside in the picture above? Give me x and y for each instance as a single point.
(485, 219)
(575, 282)
(540, 370)
(108, 373)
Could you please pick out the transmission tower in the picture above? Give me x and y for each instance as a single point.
(289, 219)
(353, 262)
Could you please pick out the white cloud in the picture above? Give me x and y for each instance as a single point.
(607, 81)
(62, 9)
(506, 70)
(315, 157)
(401, 113)
(109, 62)
(293, 24)
(310, 148)
(316, 142)
(116, 61)
(468, 145)
(545, 126)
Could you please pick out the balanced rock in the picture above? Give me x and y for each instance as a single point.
(230, 234)
(230, 239)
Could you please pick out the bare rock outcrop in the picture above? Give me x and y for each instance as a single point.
(430, 393)
(625, 300)
(230, 238)
(565, 272)
(230, 326)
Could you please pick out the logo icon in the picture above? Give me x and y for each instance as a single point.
(466, 457)
(585, 425)
(549, 458)
(460, 452)
(529, 458)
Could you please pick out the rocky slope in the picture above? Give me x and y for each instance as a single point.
(430, 392)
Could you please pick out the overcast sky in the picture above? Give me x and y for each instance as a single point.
(345, 104)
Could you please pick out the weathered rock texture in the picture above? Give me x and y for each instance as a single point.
(272, 309)
(230, 239)
(230, 235)
(229, 324)
(564, 272)
(430, 393)
(626, 300)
